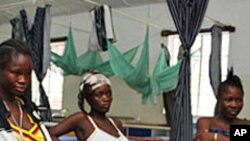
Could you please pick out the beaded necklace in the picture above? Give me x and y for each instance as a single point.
(20, 124)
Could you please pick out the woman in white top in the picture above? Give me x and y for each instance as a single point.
(95, 125)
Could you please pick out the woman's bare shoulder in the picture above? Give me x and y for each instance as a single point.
(243, 121)
(204, 120)
(204, 124)
(75, 118)
(117, 122)
(79, 115)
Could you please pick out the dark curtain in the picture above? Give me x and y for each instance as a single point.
(167, 96)
(215, 61)
(35, 38)
(102, 28)
(17, 29)
(168, 105)
(188, 16)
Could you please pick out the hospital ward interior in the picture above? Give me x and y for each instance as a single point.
(164, 64)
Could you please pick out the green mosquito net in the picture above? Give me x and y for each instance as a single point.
(137, 76)
(73, 65)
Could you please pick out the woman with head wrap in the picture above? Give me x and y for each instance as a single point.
(230, 102)
(93, 125)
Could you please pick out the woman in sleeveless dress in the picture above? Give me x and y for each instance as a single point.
(93, 125)
(230, 102)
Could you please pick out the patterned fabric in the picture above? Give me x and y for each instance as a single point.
(94, 80)
(222, 132)
(7, 132)
(33, 134)
(102, 28)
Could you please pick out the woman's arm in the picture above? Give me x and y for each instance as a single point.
(203, 134)
(54, 138)
(203, 126)
(68, 124)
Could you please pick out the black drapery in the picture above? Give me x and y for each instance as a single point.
(38, 39)
(188, 16)
(102, 28)
(17, 29)
(167, 96)
(215, 60)
(168, 102)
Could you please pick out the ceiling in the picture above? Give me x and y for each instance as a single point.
(10, 8)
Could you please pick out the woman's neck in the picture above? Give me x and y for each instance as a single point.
(97, 114)
(7, 97)
(225, 120)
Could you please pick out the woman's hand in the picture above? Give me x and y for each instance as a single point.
(205, 136)
(209, 136)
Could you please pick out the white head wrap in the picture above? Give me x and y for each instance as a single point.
(95, 80)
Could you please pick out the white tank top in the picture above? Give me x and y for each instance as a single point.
(100, 135)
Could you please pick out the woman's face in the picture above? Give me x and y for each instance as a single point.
(100, 99)
(17, 74)
(231, 102)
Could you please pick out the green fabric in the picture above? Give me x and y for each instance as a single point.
(88, 61)
(137, 77)
(105, 67)
(69, 57)
(73, 65)
(165, 75)
(164, 78)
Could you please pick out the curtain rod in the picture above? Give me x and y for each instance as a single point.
(224, 28)
(58, 39)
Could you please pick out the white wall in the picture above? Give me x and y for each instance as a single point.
(130, 32)
(236, 14)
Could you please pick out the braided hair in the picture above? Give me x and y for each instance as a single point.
(232, 80)
(12, 47)
(81, 95)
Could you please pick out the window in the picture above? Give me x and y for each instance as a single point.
(202, 96)
(53, 81)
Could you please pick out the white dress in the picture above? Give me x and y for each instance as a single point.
(100, 135)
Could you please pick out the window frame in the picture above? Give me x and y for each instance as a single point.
(49, 75)
(196, 103)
